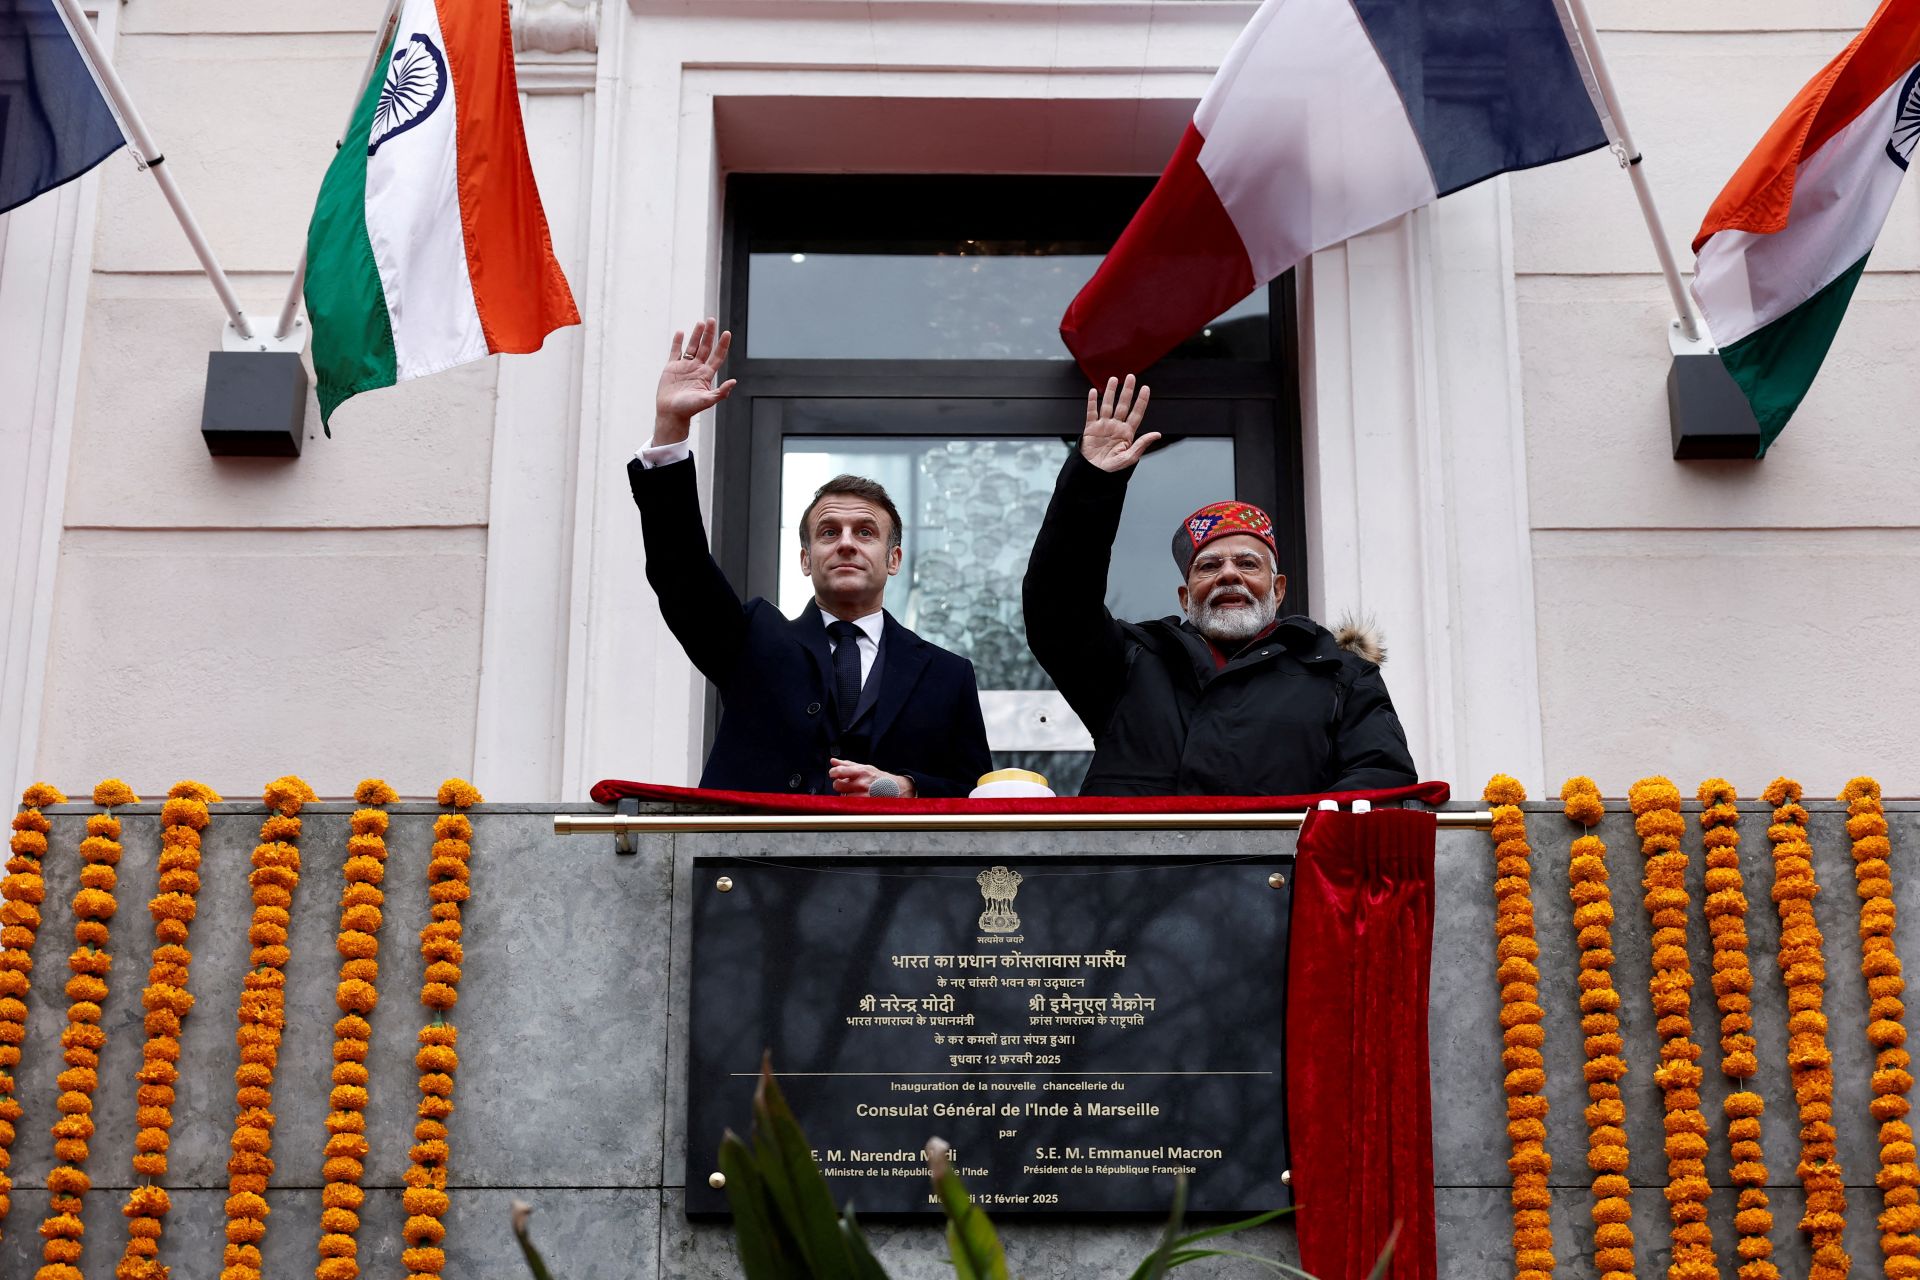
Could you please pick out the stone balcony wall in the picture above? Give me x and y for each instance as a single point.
(573, 1011)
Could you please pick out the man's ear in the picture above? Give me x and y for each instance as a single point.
(806, 562)
(893, 562)
(1279, 589)
(1181, 591)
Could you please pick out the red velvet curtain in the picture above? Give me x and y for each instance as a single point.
(1359, 1106)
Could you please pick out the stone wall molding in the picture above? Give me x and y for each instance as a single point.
(556, 26)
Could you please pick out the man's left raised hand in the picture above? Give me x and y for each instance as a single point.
(853, 779)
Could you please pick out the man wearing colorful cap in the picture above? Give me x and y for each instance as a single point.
(1225, 698)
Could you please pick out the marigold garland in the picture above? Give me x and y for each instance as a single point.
(1606, 1114)
(1520, 1022)
(84, 1037)
(263, 1014)
(1899, 1178)
(166, 999)
(21, 894)
(1726, 910)
(1656, 808)
(1809, 1060)
(425, 1198)
(359, 945)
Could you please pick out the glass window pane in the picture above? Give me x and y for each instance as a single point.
(972, 509)
(967, 300)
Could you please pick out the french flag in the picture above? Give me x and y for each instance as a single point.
(1328, 118)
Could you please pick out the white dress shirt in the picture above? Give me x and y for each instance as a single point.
(661, 455)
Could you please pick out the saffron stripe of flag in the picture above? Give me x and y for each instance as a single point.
(428, 246)
(1783, 247)
(1326, 119)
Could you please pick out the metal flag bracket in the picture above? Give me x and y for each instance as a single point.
(260, 336)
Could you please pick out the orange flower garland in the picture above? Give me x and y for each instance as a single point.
(1656, 808)
(1606, 1114)
(1520, 1019)
(20, 897)
(1809, 1061)
(84, 1037)
(1726, 910)
(1899, 1178)
(359, 947)
(263, 1013)
(183, 817)
(425, 1198)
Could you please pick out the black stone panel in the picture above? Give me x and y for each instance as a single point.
(1079, 1030)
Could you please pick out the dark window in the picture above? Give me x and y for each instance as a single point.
(906, 328)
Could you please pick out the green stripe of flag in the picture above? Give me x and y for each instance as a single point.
(352, 332)
(1776, 365)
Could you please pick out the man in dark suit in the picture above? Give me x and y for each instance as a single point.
(841, 697)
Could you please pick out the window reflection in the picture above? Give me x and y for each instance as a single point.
(972, 508)
(967, 300)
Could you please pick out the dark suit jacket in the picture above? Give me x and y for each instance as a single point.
(919, 713)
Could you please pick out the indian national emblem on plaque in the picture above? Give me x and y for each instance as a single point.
(998, 885)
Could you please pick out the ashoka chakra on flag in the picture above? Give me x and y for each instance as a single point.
(416, 83)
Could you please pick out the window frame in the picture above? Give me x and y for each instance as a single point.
(1263, 419)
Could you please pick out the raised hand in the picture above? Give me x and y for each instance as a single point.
(1111, 440)
(686, 384)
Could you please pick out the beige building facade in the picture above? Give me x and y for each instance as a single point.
(452, 584)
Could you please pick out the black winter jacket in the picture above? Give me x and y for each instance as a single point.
(1291, 714)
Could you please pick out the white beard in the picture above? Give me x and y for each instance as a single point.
(1232, 626)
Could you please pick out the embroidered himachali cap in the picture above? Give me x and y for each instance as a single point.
(1219, 520)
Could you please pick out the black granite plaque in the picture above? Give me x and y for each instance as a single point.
(1079, 1030)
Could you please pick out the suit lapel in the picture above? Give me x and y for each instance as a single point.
(811, 632)
(904, 656)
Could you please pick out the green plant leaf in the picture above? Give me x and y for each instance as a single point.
(971, 1239)
(865, 1265)
(1230, 1228)
(1160, 1260)
(1178, 1250)
(795, 1184)
(1386, 1254)
(535, 1263)
(1185, 1256)
(767, 1251)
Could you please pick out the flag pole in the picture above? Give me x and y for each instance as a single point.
(1686, 319)
(149, 157)
(292, 305)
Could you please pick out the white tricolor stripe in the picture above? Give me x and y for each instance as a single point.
(1307, 139)
(1841, 194)
(414, 224)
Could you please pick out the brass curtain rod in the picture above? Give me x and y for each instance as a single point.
(581, 824)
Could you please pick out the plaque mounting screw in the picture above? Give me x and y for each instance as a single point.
(725, 885)
(1286, 1177)
(717, 1180)
(1277, 881)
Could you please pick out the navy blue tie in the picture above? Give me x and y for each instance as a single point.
(846, 669)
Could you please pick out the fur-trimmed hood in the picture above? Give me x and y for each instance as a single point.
(1362, 637)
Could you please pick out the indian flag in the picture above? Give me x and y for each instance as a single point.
(1783, 247)
(428, 246)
